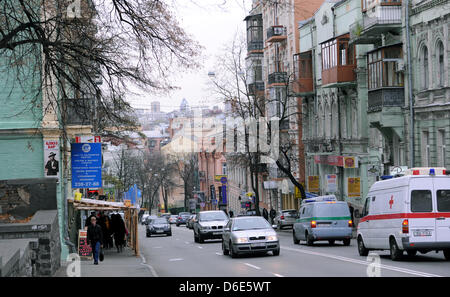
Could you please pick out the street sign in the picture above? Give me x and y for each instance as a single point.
(86, 165)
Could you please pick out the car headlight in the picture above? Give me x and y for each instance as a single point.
(241, 240)
(272, 238)
(205, 227)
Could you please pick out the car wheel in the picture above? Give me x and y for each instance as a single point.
(396, 253)
(411, 253)
(200, 239)
(148, 235)
(232, 253)
(362, 250)
(276, 252)
(346, 241)
(296, 241)
(447, 254)
(331, 242)
(279, 226)
(224, 250)
(169, 234)
(309, 239)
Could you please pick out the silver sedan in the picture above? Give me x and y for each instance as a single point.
(249, 235)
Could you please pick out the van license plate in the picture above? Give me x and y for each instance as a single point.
(217, 233)
(422, 233)
(258, 244)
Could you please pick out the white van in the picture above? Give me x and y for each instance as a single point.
(409, 213)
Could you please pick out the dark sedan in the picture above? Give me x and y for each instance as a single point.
(158, 226)
(183, 217)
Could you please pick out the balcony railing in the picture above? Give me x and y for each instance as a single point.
(277, 78)
(255, 46)
(255, 88)
(385, 97)
(276, 34)
(384, 18)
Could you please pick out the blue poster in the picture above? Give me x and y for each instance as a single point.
(86, 165)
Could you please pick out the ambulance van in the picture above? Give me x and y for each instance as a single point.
(409, 213)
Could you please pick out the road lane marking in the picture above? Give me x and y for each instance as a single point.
(176, 259)
(200, 247)
(252, 266)
(219, 254)
(365, 263)
(152, 270)
(278, 275)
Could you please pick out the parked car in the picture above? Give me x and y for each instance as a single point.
(158, 226)
(190, 222)
(173, 219)
(252, 234)
(165, 215)
(209, 225)
(148, 218)
(182, 218)
(144, 218)
(323, 218)
(286, 218)
(409, 213)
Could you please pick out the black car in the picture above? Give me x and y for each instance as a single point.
(158, 226)
(183, 217)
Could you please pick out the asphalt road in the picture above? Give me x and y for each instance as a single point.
(179, 256)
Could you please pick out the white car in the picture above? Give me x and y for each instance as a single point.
(144, 217)
(410, 213)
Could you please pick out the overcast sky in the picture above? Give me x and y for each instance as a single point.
(212, 25)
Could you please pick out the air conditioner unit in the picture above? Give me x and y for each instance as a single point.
(400, 66)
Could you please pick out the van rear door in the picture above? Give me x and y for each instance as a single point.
(442, 190)
(421, 221)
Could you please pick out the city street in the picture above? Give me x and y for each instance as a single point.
(180, 256)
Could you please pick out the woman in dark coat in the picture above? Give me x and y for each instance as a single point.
(119, 231)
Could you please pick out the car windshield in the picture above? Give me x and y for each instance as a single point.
(213, 216)
(250, 224)
(290, 213)
(159, 221)
(332, 210)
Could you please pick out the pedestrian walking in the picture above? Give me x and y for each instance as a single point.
(95, 238)
(265, 214)
(119, 231)
(273, 214)
(231, 213)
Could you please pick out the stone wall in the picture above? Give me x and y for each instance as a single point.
(43, 255)
(20, 199)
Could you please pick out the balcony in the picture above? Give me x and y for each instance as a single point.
(278, 78)
(78, 111)
(385, 97)
(380, 19)
(303, 84)
(256, 88)
(276, 34)
(255, 46)
(338, 63)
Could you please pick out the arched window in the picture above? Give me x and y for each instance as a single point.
(424, 67)
(440, 70)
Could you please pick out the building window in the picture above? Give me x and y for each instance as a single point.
(424, 67)
(425, 148)
(382, 68)
(440, 64)
(441, 147)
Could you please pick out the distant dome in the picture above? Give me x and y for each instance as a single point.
(184, 105)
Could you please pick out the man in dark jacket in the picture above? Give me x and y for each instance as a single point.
(95, 238)
(273, 214)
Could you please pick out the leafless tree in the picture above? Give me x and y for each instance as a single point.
(231, 81)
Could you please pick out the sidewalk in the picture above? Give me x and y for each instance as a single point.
(115, 264)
